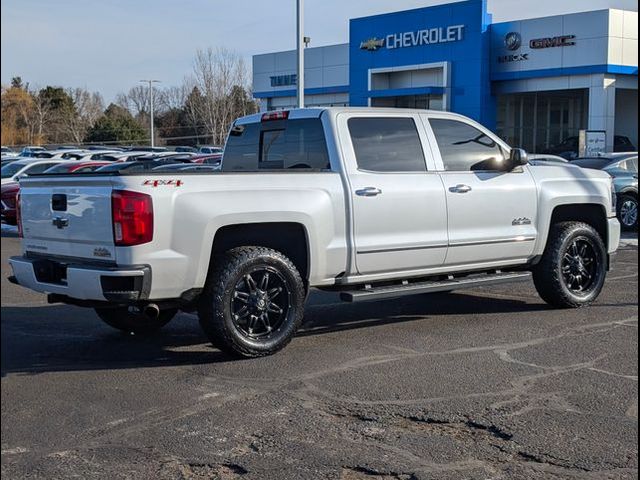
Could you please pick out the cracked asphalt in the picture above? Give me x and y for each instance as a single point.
(481, 384)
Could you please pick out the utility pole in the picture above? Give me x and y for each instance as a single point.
(151, 82)
(300, 46)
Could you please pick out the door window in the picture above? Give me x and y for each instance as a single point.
(387, 144)
(465, 148)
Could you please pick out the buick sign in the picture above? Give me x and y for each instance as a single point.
(513, 41)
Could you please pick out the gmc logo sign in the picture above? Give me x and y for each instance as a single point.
(163, 183)
(552, 42)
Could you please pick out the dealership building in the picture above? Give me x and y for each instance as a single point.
(537, 82)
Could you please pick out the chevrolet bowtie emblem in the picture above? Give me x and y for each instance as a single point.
(372, 44)
(60, 222)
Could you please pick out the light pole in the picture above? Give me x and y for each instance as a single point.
(300, 42)
(151, 82)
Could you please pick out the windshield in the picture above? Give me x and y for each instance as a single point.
(11, 169)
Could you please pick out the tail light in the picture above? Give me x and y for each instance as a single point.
(18, 215)
(132, 214)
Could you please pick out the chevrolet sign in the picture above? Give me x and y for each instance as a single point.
(372, 44)
(419, 38)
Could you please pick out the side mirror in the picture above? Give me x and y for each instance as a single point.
(519, 157)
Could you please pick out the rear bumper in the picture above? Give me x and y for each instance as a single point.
(83, 281)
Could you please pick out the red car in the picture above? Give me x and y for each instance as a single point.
(77, 167)
(214, 159)
(8, 195)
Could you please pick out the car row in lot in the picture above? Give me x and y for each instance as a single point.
(623, 167)
(73, 161)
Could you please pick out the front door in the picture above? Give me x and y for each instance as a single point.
(492, 211)
(398, 203)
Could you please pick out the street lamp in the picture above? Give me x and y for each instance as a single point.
(151, 82)
(300, 42)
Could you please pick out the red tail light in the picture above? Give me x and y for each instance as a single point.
(18, 215)
(273, 116)
(132, 218)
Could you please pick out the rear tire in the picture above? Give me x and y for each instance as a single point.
(122, 318)
(253, 302)
(573, 268)
(628, 212)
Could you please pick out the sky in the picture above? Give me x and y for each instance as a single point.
(108, 46)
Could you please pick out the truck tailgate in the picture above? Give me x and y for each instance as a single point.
(68, 216)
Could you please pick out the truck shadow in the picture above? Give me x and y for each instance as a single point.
(63, 338)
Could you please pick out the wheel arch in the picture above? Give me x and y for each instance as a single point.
(594, 214)
(289, 238)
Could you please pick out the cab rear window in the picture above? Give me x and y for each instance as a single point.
(277, 145)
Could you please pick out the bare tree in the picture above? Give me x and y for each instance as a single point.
(216, 73)
(88, 107)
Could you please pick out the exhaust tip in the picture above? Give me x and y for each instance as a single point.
(151, 311)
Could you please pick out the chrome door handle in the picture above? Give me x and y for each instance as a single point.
(369, 192)
(460, 189)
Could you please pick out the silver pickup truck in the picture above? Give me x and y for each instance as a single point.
(370, 203)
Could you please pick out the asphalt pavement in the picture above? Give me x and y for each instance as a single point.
(482, 384)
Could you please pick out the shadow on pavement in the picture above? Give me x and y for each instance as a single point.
(63, 338)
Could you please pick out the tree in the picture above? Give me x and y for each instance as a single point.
(216, 74)
(116, 125)
(84, 112)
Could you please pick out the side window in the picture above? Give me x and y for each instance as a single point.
(465, 148)
(241, 152)
(294, 144)
(387, 144)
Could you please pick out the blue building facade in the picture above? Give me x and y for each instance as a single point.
(448, 45)
(536, 82)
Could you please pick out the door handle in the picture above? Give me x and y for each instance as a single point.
(369, 192)
(460, 189)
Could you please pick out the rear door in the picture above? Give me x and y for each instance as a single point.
(68, 216)
(492, 210)
(398, 201)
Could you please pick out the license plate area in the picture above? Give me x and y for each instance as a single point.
(50, 271)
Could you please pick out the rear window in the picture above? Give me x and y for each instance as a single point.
(277, 145)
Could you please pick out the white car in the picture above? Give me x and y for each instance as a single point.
(21, 168)
(8, 153)
(210, 150)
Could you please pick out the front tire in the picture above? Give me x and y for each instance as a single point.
(628, 212)
(573, 268)
(129, 321)
(253, 302)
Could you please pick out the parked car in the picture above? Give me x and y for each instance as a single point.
(135, 166)
(210, 149)
(624, 170)
(122, 156)
(187, 167)
(7, 152)
(8, 196)
(30, 151)
(8, 160)
(77, 167)
(146, 149)
(22, 168)
(215, 159)
(569, 148)
(185, 149)
(370, 203)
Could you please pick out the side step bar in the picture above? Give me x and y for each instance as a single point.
(371, 293)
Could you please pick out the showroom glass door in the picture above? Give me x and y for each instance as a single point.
(543, 122)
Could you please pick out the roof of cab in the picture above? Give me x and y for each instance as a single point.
(300, 113)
